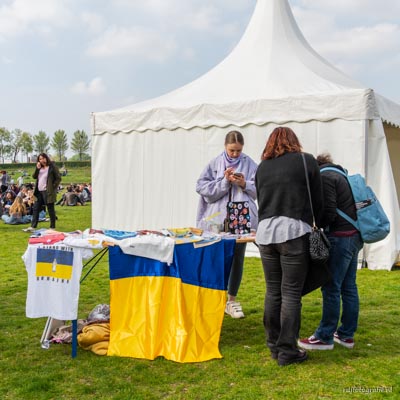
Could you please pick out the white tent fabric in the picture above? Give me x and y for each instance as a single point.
(148, 156)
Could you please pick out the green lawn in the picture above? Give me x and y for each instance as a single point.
(245, 371)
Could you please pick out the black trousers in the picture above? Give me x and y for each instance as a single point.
(40, 202)
(285, 269)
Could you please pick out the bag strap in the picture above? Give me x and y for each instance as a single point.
(334, 169)
(348, 219)
(226, 221)
(308, 189)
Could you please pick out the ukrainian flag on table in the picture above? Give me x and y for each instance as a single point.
(174, 311)
(54, 263)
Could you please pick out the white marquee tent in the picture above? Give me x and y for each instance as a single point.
(148, 156)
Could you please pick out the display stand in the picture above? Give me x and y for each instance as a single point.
(52, 324)
(190, 261)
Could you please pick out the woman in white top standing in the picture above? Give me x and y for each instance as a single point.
(47, 178)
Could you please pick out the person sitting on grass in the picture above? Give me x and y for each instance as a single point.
(17, 213)
(84, 194)
(7, 201)
(23, 190)
(29, 201)
(70, 198)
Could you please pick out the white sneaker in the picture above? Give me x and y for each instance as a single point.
(234, 309)
(30, 229)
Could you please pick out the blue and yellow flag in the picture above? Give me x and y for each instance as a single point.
(175, 311)
(54, 264)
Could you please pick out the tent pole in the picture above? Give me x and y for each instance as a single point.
(364, 263)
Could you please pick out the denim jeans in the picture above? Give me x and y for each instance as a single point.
(285, 269)
(342, 288)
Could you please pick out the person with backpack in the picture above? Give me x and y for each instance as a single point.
(346, 243)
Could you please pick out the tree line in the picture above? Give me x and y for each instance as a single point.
(17, 142)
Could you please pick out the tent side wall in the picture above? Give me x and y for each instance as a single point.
(380, 178)
(147, 180)
(393, 141)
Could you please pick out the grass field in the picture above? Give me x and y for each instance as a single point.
(245, 372)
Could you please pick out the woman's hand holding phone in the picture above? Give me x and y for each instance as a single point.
(238, 179)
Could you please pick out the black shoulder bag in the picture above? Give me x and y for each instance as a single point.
(237, 220)
(318, 272)
(319, 243)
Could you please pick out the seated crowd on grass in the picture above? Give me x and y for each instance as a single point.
(17, 199)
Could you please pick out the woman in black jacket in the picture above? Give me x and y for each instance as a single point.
(47, 178)
(285, 220)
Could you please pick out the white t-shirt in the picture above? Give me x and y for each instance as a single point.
(54, 273)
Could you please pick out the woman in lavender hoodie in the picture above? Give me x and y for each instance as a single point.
(230, 172)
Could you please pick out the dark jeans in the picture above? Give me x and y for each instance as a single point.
(37, 207)
(285, 269)
(342, 288)
(235, 276)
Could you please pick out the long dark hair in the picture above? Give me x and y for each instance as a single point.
(44, 155)
(282, 140)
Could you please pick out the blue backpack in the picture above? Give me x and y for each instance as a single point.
(372, 222)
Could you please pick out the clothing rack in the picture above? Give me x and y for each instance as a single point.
(49, 323)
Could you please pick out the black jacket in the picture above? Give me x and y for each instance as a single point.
(282, 188)
(53, 180)
(337, 194)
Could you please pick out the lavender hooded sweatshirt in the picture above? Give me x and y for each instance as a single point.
(213, 189)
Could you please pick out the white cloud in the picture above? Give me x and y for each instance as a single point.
(163, 7)
(94, 87)
(20, 16)
(359, 41)
(188, 53)
(355, 9)
(360, 37)
(194, 15)
(7, 60)
(136, 41)
(92, 21)
(205, 18)
(155, 7)
(363, 41)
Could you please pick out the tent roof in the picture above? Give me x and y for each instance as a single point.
(272, 75)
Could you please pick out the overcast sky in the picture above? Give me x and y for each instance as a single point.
(62, 59)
